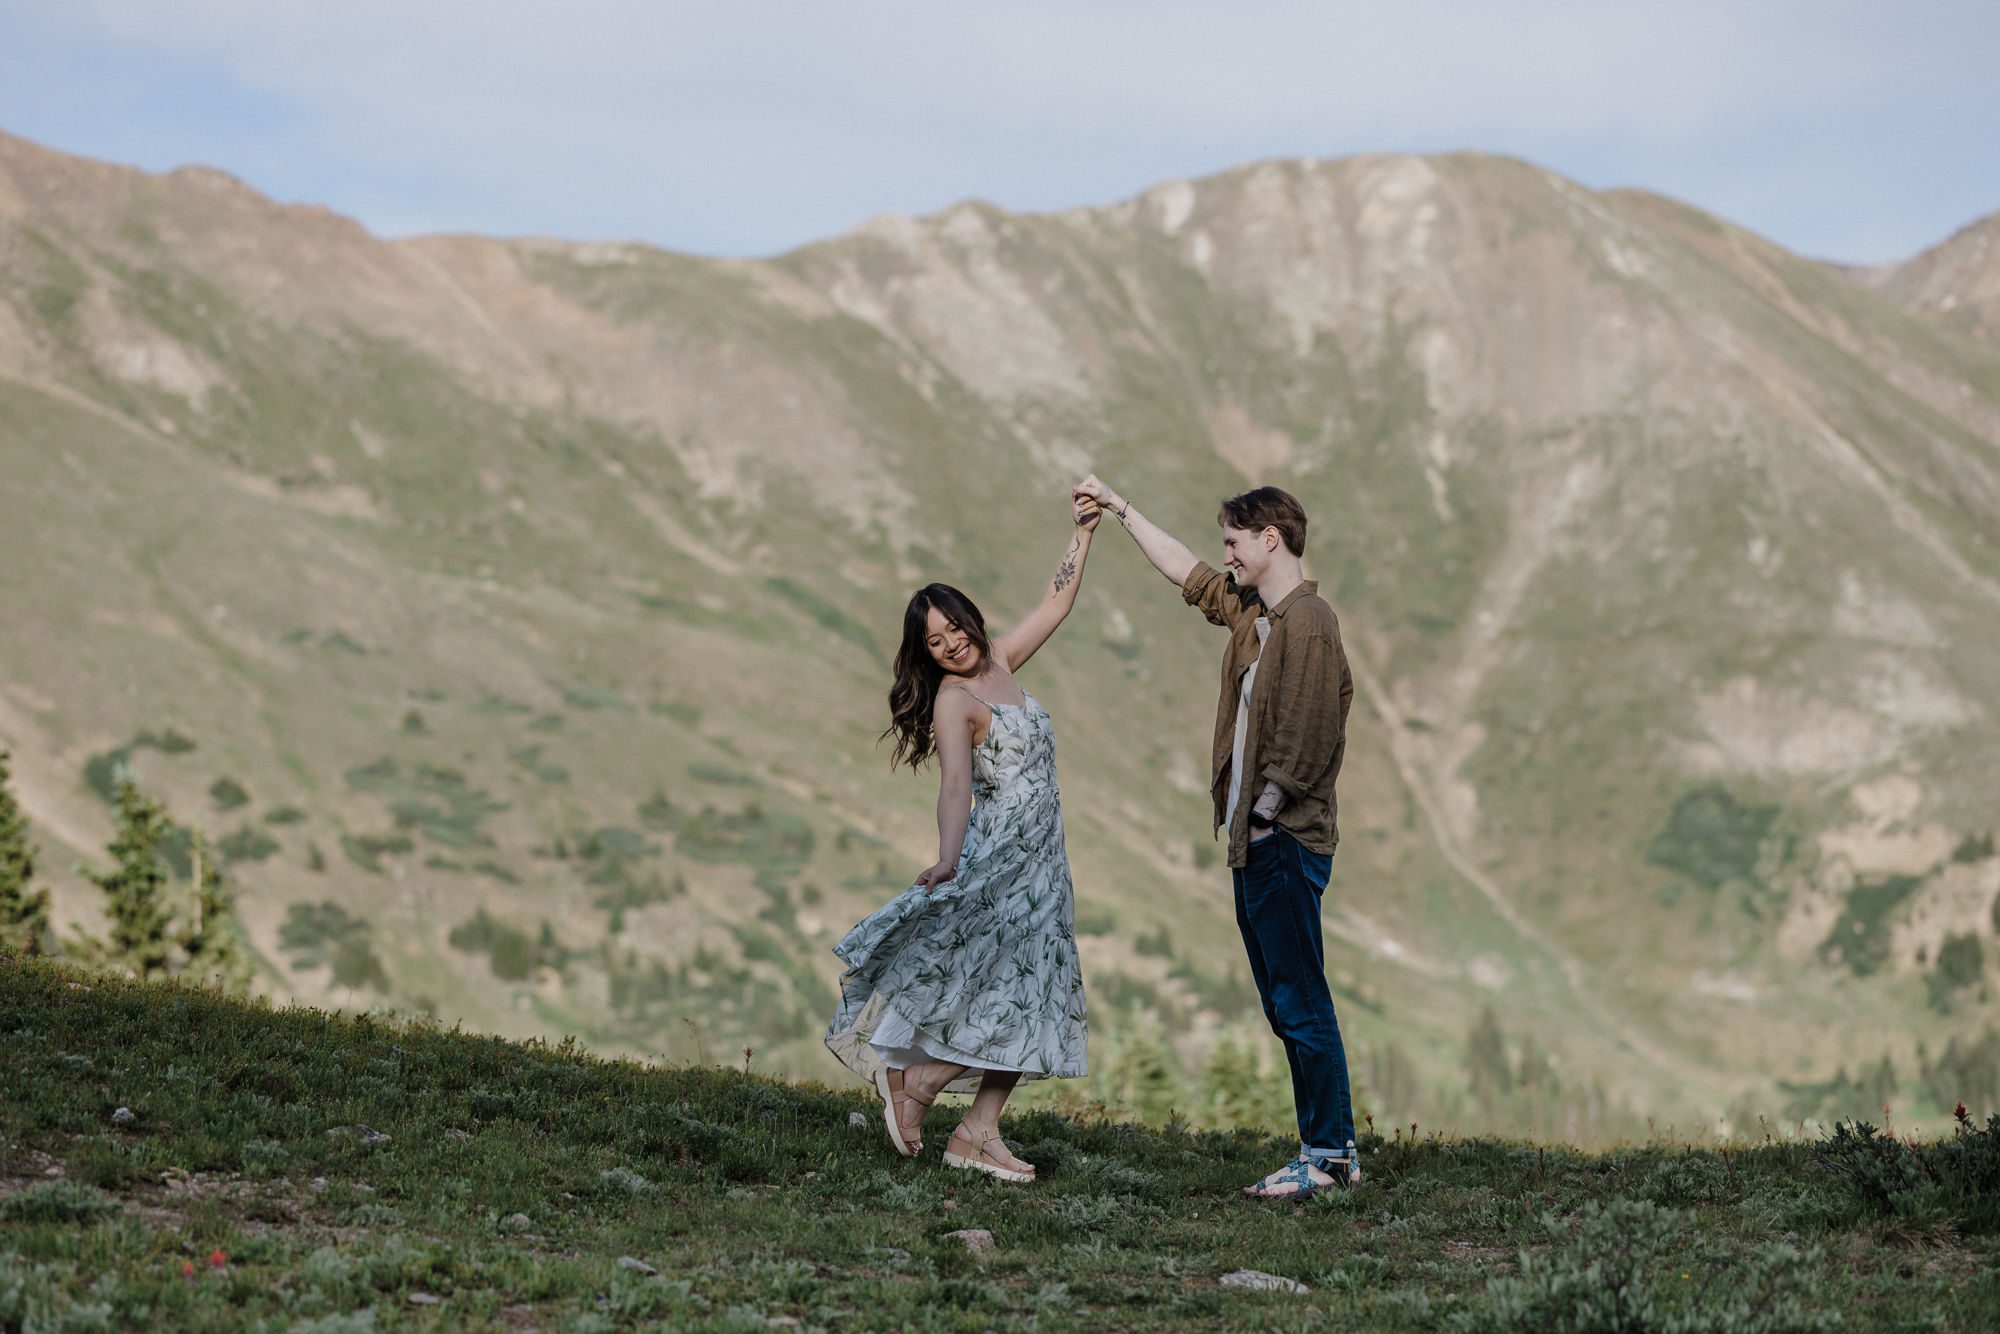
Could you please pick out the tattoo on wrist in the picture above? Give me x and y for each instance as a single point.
(1122, 511)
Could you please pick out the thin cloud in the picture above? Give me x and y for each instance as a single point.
(752, 126)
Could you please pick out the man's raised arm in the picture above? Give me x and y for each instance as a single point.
(1168, 555)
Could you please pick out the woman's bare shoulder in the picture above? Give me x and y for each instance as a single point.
(953, 701)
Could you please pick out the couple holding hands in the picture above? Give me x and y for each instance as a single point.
(968, 982)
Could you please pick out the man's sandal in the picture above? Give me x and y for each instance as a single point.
(1296, 1173)
(985, 1161)
(889, 1083)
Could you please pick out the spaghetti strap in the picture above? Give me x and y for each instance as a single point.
(988, 703)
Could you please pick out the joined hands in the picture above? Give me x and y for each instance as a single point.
(1093, 490)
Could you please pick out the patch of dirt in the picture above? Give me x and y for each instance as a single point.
(40, 1167)
(1957, 901)
(1254, 450)
(1751, 727)
(176, 1184)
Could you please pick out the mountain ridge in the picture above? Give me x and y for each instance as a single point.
(1580, 464)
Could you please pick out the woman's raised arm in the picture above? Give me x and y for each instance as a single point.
(1019, 644)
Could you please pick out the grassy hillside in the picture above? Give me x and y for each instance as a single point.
(295, 1169)
(514, 615)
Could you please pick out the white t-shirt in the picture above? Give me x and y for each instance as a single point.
(1243, 725)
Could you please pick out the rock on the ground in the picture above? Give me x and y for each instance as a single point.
(1258, 1281)
(425, 1299)
(124, 1116)
(516, 1223)
(858, 1119)
(975, 1239)
(637, 1265)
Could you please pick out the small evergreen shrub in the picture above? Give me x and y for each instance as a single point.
(1960, 962)
(1628, 1268)
(1892, 1179)
(324, 935)
(228, 794)
(261, 1155)
(1711, 837)
(248, 844)
(58, 1201)
(624, 1181)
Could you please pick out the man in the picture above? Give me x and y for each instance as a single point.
(1280, 734)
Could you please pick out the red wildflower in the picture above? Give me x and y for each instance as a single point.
(216, 1259)
(187, 1269)
(1960, 1115)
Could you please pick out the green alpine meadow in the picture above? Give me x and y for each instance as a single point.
(176, 1159)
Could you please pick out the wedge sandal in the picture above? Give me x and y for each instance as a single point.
(985, 1162)
(889, 1084)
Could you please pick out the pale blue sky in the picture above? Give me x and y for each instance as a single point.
(1855, 131)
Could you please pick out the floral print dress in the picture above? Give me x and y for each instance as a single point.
(981, 971)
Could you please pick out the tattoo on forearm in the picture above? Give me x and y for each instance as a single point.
(1067, 570)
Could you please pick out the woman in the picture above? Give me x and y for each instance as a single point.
(967, 982)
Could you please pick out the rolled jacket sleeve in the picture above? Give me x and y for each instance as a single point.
(1210, 591)
(1315, 688)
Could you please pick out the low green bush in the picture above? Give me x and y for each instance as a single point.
(57, 1201)
(1955, 1180)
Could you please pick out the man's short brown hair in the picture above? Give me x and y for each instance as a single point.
(1267, 507)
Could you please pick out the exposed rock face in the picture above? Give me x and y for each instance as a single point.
(1957, 281)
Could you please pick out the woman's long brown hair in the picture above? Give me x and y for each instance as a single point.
(918, 675)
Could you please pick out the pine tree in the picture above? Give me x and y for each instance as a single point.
(1390, 1084)
(1236, 1091)
(136, 886)
(1147, 1077)
(1229, 1084)
(1486, 1061)
(24, 912)
(214, 944)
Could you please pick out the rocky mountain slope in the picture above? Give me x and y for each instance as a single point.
(533, 599)
(1956, 282)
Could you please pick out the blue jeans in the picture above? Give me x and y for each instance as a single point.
(1277, 909)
